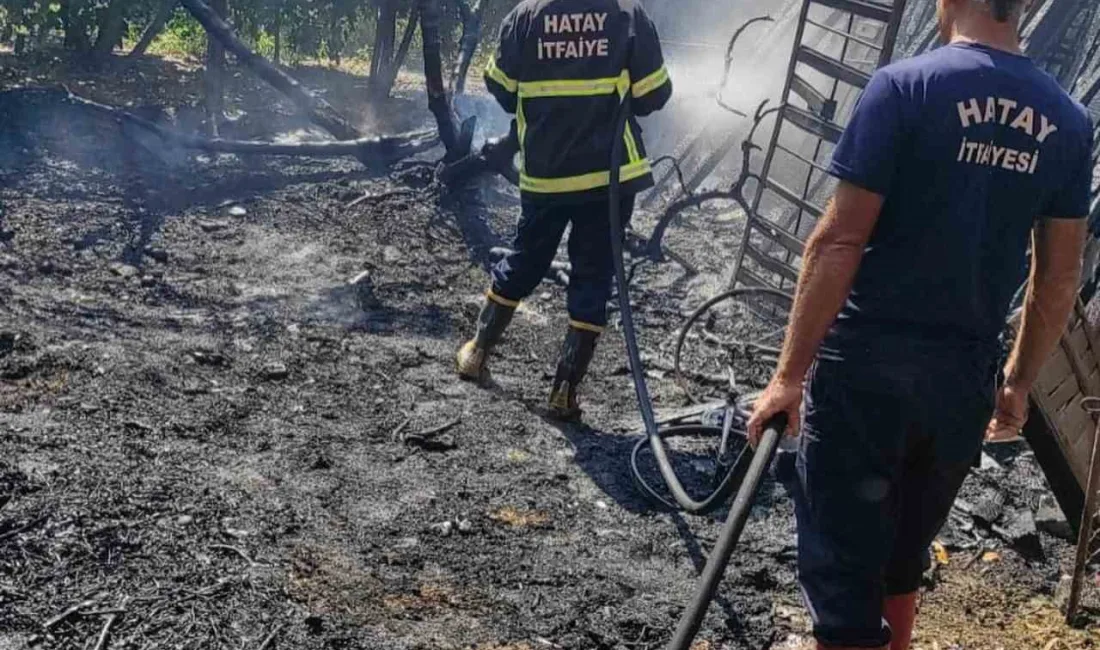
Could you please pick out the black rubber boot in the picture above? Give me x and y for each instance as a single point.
(473, 356)
(576, 355)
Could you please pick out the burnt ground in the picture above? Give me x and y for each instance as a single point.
(209, 440)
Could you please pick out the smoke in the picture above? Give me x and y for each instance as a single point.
(695, 36)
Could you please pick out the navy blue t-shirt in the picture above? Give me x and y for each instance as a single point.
(969, 146)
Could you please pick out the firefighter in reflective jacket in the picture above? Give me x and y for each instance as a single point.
(562, 68)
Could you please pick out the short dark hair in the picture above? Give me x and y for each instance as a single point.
(1003, 10)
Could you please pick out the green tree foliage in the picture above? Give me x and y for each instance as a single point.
(281, 29)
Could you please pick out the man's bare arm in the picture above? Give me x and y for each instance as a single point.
(829, 266)
(1056, 250)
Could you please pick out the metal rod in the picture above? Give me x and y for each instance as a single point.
(846, 35)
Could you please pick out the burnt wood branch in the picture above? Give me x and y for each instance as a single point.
(375, 152)
(495, 156)
(438, 103)
(319, 111)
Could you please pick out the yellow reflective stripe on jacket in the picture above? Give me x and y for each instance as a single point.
(650, 83)
(631, 146)
(583, 182)
(521, 133)
(497, 75)
(569, 87)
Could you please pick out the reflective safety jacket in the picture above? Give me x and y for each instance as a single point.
(562, 67)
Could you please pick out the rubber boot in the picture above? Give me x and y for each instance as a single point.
(474, 354)
(901, 613)
(576, 355)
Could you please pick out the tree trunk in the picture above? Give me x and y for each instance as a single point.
(164, 12)
(318, 110)
(389, 72)
(385, 32)
(110, 29)
(214, 75)
(279, 36)
(16, 19)
(335, 45)
(472, 20)
(75, 26)
(433, 75)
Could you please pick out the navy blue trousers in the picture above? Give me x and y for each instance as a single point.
(538, 235)
(885, 447)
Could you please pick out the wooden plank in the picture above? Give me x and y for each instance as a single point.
(1060, 397)
(1091, 335)
(1072, 425)
(1079, 345)
(1054, 372)
(1039, 433)
(1075, 363)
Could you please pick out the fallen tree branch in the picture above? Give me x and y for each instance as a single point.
(53, 622)
(24, 528)
(233, 549)
(271, 637)
(375, 151)
(319, 111)
(435, 431)
(495, 156)
(101, 643)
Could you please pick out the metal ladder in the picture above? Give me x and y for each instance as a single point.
(838, 45)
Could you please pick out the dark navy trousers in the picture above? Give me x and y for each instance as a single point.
(886, 443)
(538, 235)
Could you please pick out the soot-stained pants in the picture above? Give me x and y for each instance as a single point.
(884, 448)
(538, 235)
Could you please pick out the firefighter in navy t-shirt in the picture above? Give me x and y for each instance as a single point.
(951, 165)
(563, 67)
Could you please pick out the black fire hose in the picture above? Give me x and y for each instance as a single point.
(727, 540)
(655, 436)
(757, 462)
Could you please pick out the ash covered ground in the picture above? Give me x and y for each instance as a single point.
(208, 439)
